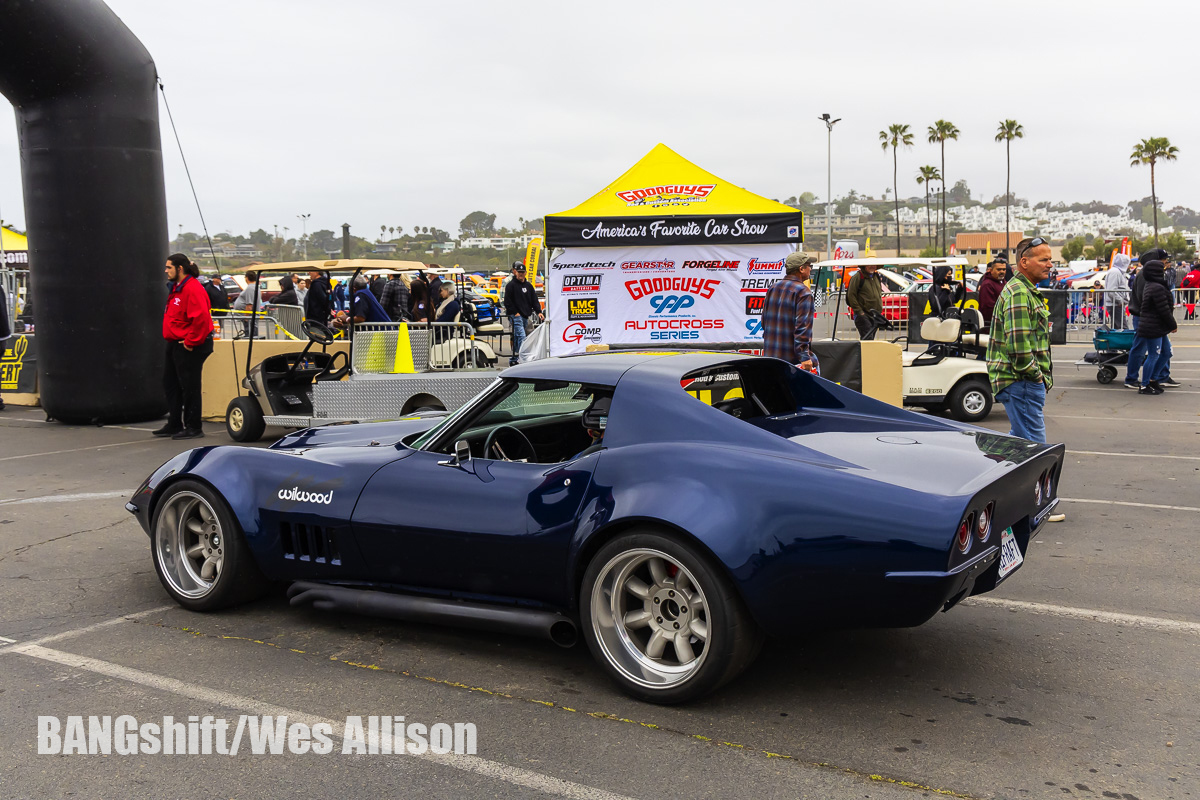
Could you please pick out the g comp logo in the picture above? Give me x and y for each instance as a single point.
(581, 308)
(671, 303)
(581, 284)
(294, 494)
(577, 332)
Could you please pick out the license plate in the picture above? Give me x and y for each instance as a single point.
(1010, 553)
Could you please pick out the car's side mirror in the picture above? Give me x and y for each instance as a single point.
(462, 455)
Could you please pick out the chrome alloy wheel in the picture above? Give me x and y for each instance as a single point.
(650, 618)
(974, 402)
(189, 544)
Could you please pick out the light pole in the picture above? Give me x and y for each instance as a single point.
(829, 123)
(304, 232)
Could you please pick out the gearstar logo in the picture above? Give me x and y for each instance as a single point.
(646, 286)
(294, 494)
(658, 266)
(670, 194)
(587, 265)
(754, 265)
(581, 284)
(577, 332)
(725, 265)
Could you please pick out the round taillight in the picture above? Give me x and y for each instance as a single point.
(1037, 489)
(983, 526)
(964, 535)
(1048, 485)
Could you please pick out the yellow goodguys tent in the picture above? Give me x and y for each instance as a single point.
(13, 240)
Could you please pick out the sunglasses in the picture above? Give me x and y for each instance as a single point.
(1035, 242)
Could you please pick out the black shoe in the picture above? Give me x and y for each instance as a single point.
(1151, 388)
(166, 430)
(188, 433)
(1132, 385)
(1169, 383)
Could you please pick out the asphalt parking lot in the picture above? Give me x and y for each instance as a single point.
(1078, 678)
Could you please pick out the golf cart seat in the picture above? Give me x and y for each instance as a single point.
(973, 329)
(940, 330)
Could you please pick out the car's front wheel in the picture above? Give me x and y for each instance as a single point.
(199, 552)
(662, 621)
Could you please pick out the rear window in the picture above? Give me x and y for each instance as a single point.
(757, 388)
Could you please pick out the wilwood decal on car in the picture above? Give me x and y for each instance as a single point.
(298, 496)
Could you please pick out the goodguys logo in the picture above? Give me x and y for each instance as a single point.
(670, 194)
(577, 332)
(296, 495)
(581, 284)
(700, 286)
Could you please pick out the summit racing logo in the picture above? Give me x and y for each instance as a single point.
(577, 332)
(724, 265)
(670, 194)
(754, 265)
(586, 265)
(704, 287)
(581, 284)
(298, 496)
(657, 266)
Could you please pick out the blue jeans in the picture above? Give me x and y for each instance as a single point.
(1163, 370)
(1025, 402)
(1137, 354)
(518, 332)
(1153, 355)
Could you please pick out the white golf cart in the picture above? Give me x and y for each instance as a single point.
(950, 375)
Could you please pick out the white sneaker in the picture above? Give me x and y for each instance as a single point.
(1056, 518)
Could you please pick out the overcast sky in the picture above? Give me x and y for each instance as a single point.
(415, 113)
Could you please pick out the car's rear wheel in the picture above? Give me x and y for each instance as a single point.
(665, 624)
(970, 401)
(200, 553)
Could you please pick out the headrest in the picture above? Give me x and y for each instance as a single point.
(595, 416)
(972, 316)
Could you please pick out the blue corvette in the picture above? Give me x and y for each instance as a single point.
(672, 507)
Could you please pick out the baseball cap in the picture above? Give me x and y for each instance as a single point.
(797, 260)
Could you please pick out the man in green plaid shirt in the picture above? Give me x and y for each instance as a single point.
(1018, 356)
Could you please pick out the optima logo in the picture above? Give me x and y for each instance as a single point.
(298, 496)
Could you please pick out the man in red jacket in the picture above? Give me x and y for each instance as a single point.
(990, 286)
(187, 329)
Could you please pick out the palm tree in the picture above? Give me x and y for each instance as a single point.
(939, 132)
(1151, 151)
(382, 231)
(895, 137)
(925, 176)
(1006, 131)
(391, 231)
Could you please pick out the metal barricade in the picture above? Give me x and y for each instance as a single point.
(15, 284)
(236, 325)
(435, 347)
(289, 318)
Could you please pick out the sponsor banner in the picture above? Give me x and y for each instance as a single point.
(660, 295)
(18, 365)
(16, 258)
(783, 228)
(533, 257)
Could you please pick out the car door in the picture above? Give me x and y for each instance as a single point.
(486, 527)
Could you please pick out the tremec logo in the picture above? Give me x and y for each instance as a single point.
(581, 284)
(754, 265)
(704, 287)
(294, 494)
(669, 193)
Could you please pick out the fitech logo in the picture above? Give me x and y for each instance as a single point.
(294, 494)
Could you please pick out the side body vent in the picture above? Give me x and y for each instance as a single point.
(312, 543)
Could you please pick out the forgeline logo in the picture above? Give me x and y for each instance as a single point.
(754, 265)
(646, 286)
(581, 308)
(661, 266)
(581, 284)
(294, 494)
(725, 265)
(670, 193)
(577, 332)
(587, 265)
(755, 304)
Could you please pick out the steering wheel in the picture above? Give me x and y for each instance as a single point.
(317, 332)
(332, 373)
(493, 448)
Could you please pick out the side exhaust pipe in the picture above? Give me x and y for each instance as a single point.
(436, 611)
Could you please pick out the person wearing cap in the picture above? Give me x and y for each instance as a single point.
(990, 286)
(864, 294)
(1115, 292)
(521, 304)
(1018, 355)
(787, 320)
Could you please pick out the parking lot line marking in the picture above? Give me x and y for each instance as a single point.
(6, 639)
(1111, 617)
(1127, 503)
(63, 498)
(71, 634)
(1131, 455)
(1058, 388)
(76, 450)
(1130, 419)
(246, 705)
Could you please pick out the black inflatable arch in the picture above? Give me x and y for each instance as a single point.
(83, 88)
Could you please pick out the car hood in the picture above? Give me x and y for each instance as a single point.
(363, 434)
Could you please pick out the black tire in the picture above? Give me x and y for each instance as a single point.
(970, 400)
(244, 420)
(238, 578)
(731, 640)
(1105, 375)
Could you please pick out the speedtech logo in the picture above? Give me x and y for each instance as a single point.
(670, 194)
(581, 284)
(581, 308)
(587, 265)
(577, 332)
